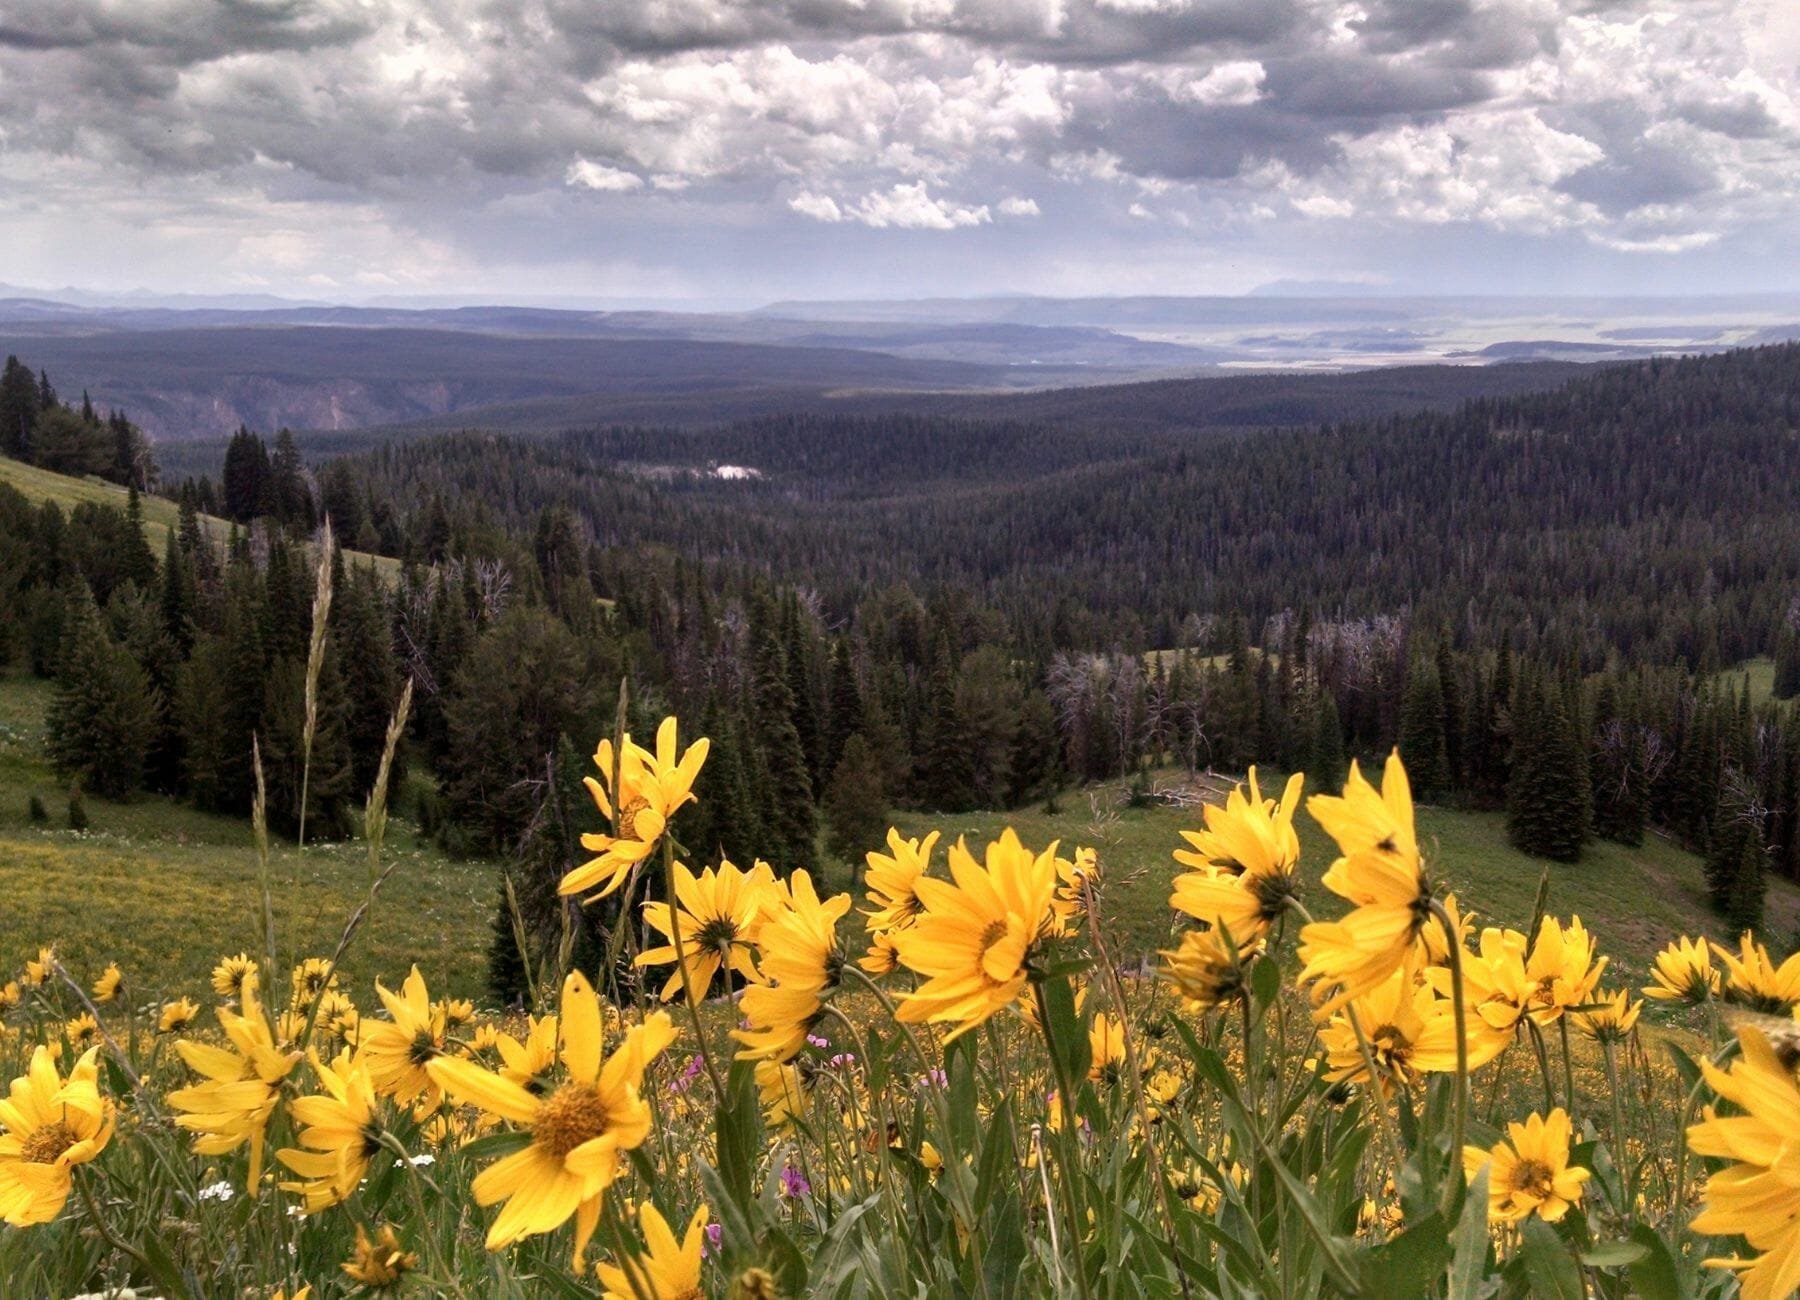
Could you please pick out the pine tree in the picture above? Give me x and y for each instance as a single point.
(210, 742)
(1498, 726)
(136, 563)
(1422, 730)
(844, 699)
(506, 980)
(725, 821)
(18, 409)
(1455, 724)
(1329, 763)
(287, 496)
(246, 477)
(1548, 801)
(176, 596)
(1037, 751)
(1787, 660)
(946, 773)
(855, 806)
(790, 817)
(360, 630)
(1733, 828)
(326, 780)
(102, 720)
(1692, 803)
(1744, 900)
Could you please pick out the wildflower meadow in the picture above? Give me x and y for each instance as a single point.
(952, 1085)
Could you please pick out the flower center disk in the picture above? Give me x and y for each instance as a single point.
(574, 1114)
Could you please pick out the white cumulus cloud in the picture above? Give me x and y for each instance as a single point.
(592, 175)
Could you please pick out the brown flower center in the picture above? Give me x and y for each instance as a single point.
(628, 816)
(423, 1048)
(718, 934)
(1534, 1177)
(47, 1143)
(574, 1114)
(1392, 1046)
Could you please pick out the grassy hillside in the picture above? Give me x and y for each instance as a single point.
(1634, 900)
(165, 890)
(160, 514)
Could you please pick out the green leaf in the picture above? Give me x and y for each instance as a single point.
(1654, 1275)
(1408, 1264)
(1549, 1267)
(739, 1132)
(737, 1221)
(1334, 1248)
(1265, 981)
(1068, 1034)
(1468, 1264)
(496, 1144)
(1613, 1254)
(1685, 1065)
(162, 1267)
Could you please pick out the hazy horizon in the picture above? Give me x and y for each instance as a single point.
(747, 151)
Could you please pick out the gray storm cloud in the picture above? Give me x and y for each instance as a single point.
(382, 143)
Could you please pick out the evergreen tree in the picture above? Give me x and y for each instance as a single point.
(1744, 899)
(507, 984)
(946, 779)
(360, 630)
(1329, 764)
(176, 595)
(1692, 801)
(326, 780)
(1548, 804)
(64, 442)
(1787, 661)
(1037, 751)
(18, 409)
(549, 847)
(725, 821)
(1455, 723)
(789, 815)
(844, 700)
(1422, 730)
(102, 720)
(246, 477)
(210, 739)
(136, 562)
(524, 685)
(855, 806)
(287, 497)
(1733, 829)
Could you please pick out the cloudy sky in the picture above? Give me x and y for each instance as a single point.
(745, 150)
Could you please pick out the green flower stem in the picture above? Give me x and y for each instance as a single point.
(1453, 945)
(1066, 1137)
(687, 985)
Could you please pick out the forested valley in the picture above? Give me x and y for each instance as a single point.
(1532, 595)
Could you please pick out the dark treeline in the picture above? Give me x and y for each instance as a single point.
(1650, 511)
(39, 428)
(1532, 597)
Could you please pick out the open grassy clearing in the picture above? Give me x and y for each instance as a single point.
(160, 514)
(1759, 672)
(1634, 900)
(165, 890)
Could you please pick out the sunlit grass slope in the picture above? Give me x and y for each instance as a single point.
(165, 890)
